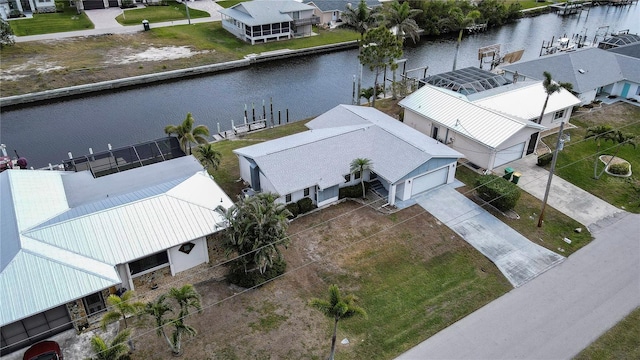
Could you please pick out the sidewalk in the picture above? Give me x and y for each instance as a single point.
(104, 22)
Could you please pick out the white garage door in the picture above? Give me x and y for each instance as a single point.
(509, 154)
(429, 181)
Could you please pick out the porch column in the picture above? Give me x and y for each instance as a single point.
(392, 194)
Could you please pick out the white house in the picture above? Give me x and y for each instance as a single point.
(591, 71)
(18, 7)
(315, 163)
(68, 239)
(330, 11)
(486, 137)
(266, 20)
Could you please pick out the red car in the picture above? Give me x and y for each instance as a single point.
(44, 350)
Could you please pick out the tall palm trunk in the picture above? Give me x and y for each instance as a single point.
(544, 107)
(455, 56)
(333, 339)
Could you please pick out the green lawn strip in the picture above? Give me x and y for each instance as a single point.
(556, 227)
(229, 3)
(620, 342)
(228, 172)
(576, 163)
(408, 300)
(68, 20)
(171, 12)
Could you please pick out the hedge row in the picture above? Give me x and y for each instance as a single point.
(545, 159)
(501, 193)
(353, 191)
(302, 206)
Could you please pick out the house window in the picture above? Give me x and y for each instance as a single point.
(356, 175)
(306, 191)
(638, 91)
(558, 115)
(94, 303)
(347, 178)
(287, 198)
(150, 262)
(186, 248)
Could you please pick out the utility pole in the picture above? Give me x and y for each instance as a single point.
(551, 171)
(187, 7)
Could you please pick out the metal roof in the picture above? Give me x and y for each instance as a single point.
(452, 110)
(54, 252)
(618, 40)
(586, 69)
(259, 12)
(467, 81)
(322, 156)
(526, 102)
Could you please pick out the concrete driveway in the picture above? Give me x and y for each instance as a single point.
(569, 199)
(519, 259)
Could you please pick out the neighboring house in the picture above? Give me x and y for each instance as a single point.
(315, 163)
(487, 138)
(13, 8)
(618, 40)
(330, 11)
(260, 21)
(68, 239)
(591, 71)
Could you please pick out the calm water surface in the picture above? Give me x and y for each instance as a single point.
(306, 86)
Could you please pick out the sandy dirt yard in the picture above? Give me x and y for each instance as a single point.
(274, 321)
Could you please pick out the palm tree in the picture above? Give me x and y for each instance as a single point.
(121, 306)
(187, 297)
(187, 134)
(361, 18)
(256, 228)
(359, 165)
(337, 307)
(401, 17)
(158, 309)
(117, 349)
(551, 87)
(209, 157)
(382, 50)
(461, 22)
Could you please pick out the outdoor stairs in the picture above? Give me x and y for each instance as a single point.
(376, 187)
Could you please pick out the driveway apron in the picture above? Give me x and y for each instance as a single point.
(518, 259)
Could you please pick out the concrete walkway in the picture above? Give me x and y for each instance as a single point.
(518, 259)
(104, 22)
(559, 313)
(565, 197)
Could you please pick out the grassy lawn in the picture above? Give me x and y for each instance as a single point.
(556, 227)
(229, 3)
(620, 342)
(68, 20)
(173, 11)
(229, 171)
(576, 162)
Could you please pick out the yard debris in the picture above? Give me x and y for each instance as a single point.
(344, 341)
(578, 230)
(567, 240)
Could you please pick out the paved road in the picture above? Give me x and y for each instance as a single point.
(519, 259)
(104, 22)
(559, 313)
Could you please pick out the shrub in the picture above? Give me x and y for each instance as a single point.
(354, 191)
(545, 159)
(305, 205)
(294, 208)
(619, 169)
(499, 192)
(238, 276)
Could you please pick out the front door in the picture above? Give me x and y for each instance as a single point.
(625, 90)
(532, 143)
(434, 133)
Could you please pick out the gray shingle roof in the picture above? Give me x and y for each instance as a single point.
(322, 156)
(259, 12)
(586, 69)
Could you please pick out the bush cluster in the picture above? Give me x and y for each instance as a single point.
(353, 191)
(619, 169)
(300, 207)
(294, 209)
(499, 192)
(545, 159)
(238, 276)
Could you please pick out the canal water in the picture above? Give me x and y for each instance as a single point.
(305, 86)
